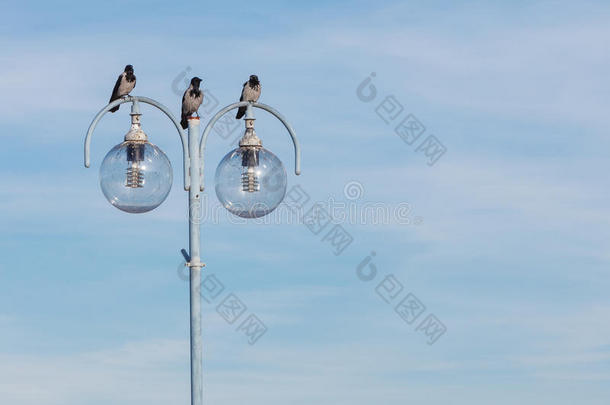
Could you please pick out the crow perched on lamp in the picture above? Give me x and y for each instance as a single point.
(124, 84)
(191, 100)
(250, 92)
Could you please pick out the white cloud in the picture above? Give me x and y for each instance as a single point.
(156, 372)
(151, 372)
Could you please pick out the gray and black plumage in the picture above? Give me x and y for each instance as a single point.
(191, 100)
(124, 84)
(250, 92)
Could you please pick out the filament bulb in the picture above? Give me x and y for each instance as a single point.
(249, 162)
(134, 177)
(249, 181)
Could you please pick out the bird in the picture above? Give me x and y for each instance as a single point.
(250, 92)
(191, 100)
(124, 84)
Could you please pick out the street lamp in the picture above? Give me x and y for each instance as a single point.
(250, 180)
(136, 177)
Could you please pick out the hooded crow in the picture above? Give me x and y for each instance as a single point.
(124, 84)
(250, 92)
(191, 100)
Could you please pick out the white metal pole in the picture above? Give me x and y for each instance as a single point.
(195, 264)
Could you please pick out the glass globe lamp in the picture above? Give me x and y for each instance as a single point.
(250, 181)
(136, 176)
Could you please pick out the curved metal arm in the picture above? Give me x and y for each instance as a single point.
(135, 108)
(208, 128)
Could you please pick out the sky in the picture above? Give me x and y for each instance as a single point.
(500, 237)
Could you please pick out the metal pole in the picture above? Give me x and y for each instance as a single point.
(195, 265)
(193, 182)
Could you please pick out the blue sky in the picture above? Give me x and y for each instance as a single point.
(511, 253)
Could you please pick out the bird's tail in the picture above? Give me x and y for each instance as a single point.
(184, 122)
(240, 112)
(113, 109)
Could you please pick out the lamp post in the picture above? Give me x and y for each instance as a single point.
(136, 177)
